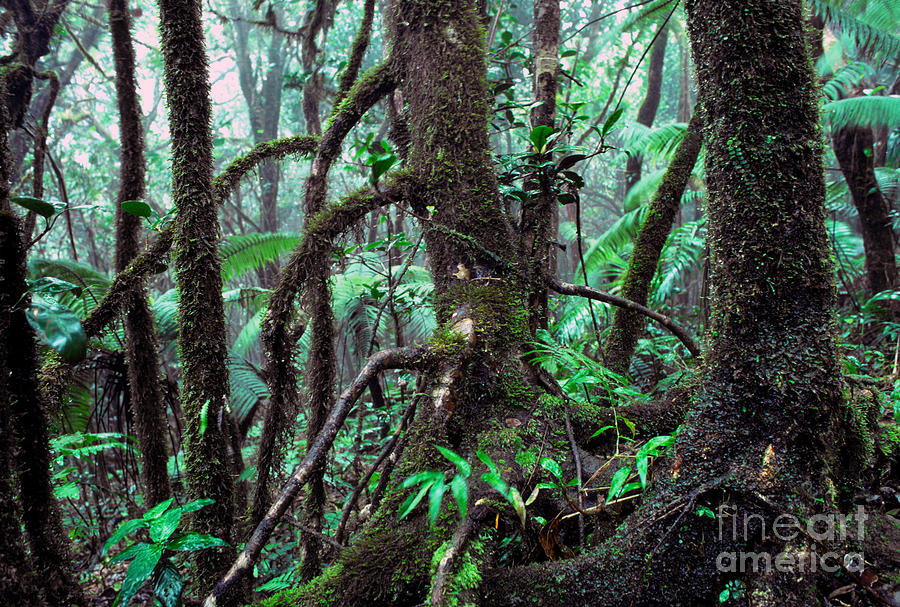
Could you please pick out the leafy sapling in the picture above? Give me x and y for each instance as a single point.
(161, 522)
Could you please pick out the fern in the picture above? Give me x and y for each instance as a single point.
(247, 388)
(872, 30)
(845, 79)
(656, 144)
(683, 253)
(872, 111)
(246, 252)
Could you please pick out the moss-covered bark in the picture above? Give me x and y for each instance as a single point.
(204, 390)
(24, 447)
(764, 437)
(627, 324)
(143, 362)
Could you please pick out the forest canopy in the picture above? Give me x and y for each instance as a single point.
(450, 302)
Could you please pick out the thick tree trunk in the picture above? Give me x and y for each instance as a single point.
(767, 417)
(854, 148)
(25, 423)
(647, 112)
(204, 390)
(143, 362)
(642, 266)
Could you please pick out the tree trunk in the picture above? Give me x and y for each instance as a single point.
(143, 362)
(854, 149)
(767, 419)
(201, 325)
(647, 111)
(642, 266)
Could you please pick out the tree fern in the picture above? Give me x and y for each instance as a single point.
(247, 388)
(845, 79)
(682, 254)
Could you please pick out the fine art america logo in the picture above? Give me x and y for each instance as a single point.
(822, 529)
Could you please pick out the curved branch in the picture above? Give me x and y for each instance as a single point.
(412, 357)
(149, 261)
(357, 52)
(677, 330)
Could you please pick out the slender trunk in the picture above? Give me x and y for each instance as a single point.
(204, 389)
(143, 362)
(854, 149)
(648, 247)
(647, 112)
(540, 219)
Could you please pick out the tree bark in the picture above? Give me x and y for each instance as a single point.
(644, 261)
(768, 417)
(202, 346)
(854, 149)
(143, 362)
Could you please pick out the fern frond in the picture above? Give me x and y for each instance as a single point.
(874, 111)
(247, 388)
(845, 79)
(245, 252)
(873, 30)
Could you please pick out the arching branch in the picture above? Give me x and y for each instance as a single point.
(677, 330)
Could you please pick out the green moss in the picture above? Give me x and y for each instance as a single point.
(889, 441)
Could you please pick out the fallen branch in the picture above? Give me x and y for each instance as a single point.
(445, 567)
(402, 358)
(565, 288)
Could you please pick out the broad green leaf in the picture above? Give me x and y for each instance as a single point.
(204, 418)
(137, 207)
(617, 484)
(539, 136)
(381, 166)
(533, 496)
(163, 527)
(58, 327)
(457, 460)
(487, 461)
(602, 430)
(124, 529)
(497, 483)
(169, 585)
(435, 496)
(52, 286)
(427, 476)
(646, 451)
(460, 494)
(197, 504)
(611, 121)
(569, 161)
(139, 571)
(194, 541)
(552, 467)
(41, 207)
(158, 509)
(515, 498)
(129, 553)
(413, 500)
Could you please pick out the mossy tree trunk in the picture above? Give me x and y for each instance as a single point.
(764, 437)
(642, 266)
(26, 484)
(763, 434)
(201, 325)
(143, 361)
